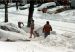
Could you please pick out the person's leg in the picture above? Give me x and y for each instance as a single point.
(46, 34)
(34, 33)
(30, 35)
(31, 32)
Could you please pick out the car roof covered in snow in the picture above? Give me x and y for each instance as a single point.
(45, 5)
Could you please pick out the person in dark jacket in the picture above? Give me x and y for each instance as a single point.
(46, 29)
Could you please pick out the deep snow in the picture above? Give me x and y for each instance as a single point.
(63, 39)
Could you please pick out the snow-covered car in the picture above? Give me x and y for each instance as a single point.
(26, 6)
(54, 10)
(11, 4)
(47, 5)
(2, 6)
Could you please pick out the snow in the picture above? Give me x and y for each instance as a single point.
(45, 5)
(53, 10)
(12, 27)
(26, 6)
(9, 5)
(25, 47)
(12, 32)
(61, 38)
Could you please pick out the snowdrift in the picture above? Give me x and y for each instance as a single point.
(4, 35)
(11, 32)
(58, 40)
(11, 27)
(66, 39)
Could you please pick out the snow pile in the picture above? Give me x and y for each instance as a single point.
(11, 27)
(11, 32)
(4, 35)
(58, 40)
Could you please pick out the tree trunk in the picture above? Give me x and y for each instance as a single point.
(31, 10)
(16, 4)
(6, 11)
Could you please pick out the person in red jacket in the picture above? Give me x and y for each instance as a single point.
(46, 29)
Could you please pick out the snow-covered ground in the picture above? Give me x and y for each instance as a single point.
(28, 47)
(60, 41)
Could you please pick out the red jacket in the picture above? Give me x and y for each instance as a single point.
(47, 28)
